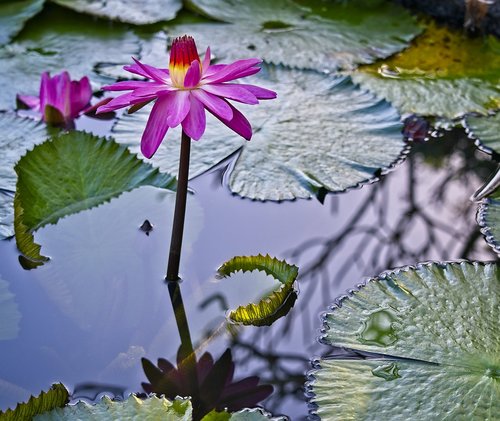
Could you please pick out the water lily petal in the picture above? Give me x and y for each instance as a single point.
(214, 104)
(80, 95)
(205, 64)
(128, 85)
(28, 101)
(260, 93)
(156, 127)
(152, 72)
(195, 122)
(193, 75)
(214, 68)
(123, 101)
(231, 91)
(178, 106)
(154, 89)
(238, 124)
(233, 71)
(138, 70)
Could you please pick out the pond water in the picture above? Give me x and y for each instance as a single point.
(100, 304)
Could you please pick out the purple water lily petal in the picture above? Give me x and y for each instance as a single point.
(238, 124)
(205, 64)
(195, 122)
(178, 106)
(232, 71)
(128, 85)
(152, 72)
(193, 75)
(260, 93)
(28, 101)
(232, 91)
(214, 104)
(80, 95)
(156, 128)
(138, 70)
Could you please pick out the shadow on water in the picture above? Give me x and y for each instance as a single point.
(100, 307)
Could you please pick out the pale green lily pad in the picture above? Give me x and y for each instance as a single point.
(274, 304)
(486, 131)
(321, 132)
(59, 41)
(136, 12)
(436, 325)
(14, 14)
(341, 36)
(152, 408)
(255, 414)
(443, 73)
(57, 396)
(9, 313)
(18, 135)
(488, 217)
(70, 173)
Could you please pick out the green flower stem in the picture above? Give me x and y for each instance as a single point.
(180, 211)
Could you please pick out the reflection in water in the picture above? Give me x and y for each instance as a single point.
(101, 305)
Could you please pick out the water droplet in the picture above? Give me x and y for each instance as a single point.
(378, 329)
(387, 372)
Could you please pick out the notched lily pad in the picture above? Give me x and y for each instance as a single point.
(486, 132)
(324, 36)
(56, 397)
(321, 133)
(132, 408)
(272, 306)
(443, 73)
(138, 13)
(70, 173)
(488, 217)
(436, 326)
(14, 14)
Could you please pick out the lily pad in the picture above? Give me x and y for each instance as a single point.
(70, 173)
(321, 133)
(255, 414)
(57, 41)
(57, 396)
(151, 408)
(434, 328)
(13, 15)
(273, 305)
(443, 73)
(316, 35)
(6, 215)
(488, 217)
(135, 12)
(486, 131)
(9, 313)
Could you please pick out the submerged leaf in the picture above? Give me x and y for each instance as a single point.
(70, 173)
(9, 313)
(152, 408)
(443, 73)
(320, 133)
(486, 131)
(272, 306)
(57, 396)
(14, 14)
(138, 13)
(318, 35)
(436, 325)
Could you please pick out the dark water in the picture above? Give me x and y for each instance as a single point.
(100, 304)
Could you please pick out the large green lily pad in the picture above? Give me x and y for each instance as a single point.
(486, 131)
(70, 173)
(321, 132)
(436, 326)
(13, 15)
(135, 12)
(9, 313)
(18, 135)
(443, 73)
(56, 41)
(324, 36)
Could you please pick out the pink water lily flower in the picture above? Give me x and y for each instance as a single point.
(183, 92)
(60, 100)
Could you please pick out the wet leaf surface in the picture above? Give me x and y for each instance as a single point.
(14, 14)
(437, 327)
(486, 132)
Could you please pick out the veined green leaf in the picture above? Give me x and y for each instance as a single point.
(273, 305)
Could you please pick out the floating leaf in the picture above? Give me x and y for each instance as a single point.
(436, 325)
(152, 408)
(488, 217)
(13, 15)
(56, 397)
(59, 40)
(272, 306)
(9, 313)
(321, 132)
(255, 414)
(282, 32)
(70, 173)
(486, 131)
(138, 13)
(443, 73)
